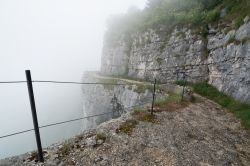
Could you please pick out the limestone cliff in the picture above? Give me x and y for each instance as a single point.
(222, 57)
(110, 100)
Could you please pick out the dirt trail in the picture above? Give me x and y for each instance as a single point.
(121, 79)
(200, 134)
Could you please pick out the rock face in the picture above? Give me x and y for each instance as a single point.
(109, 100)
(230, 68)
(159, 55)
(222, 57)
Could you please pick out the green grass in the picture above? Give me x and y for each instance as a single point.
(141, 84)
(245, 40)
(232, 39)
(241, 110)
(194, 14)
(172, 97)
(139, 110)
(237, 10)
(141, 88)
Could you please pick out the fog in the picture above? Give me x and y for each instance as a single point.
(56, 40)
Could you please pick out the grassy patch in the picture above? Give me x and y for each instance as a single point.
(237, 10)
(245, 40)
(170, 103)
(127, 127)
(146, 117)
(143, 115)
(141, 88)
(232, 39)
(172, 13)
(125, 77)
(171, 98)
(212, 15)
(241, 110)
(141, 84)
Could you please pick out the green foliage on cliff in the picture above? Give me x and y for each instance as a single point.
(169, 13)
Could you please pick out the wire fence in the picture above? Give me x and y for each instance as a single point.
(36, 128)
(35, 121)
(73, 120)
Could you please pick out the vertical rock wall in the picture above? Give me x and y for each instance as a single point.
(229, 55)
(222, 58)
(97, 99)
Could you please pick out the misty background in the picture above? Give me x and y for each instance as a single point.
(56, 40)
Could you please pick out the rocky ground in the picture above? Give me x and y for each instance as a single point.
(202, 134)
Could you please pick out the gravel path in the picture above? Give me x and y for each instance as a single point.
(200, 134)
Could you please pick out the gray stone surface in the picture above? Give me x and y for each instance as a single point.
(243, 31)
(230, 71)
(97, 98)
(222, 58)
(152, 55)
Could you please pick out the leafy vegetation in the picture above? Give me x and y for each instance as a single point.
(241, 110)
(169, 13)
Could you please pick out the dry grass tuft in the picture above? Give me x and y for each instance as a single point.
(127, 127)
(144, 116)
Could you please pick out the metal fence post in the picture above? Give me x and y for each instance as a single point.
(153, 102)
(184, 85)
(34, 115)
(177, 73)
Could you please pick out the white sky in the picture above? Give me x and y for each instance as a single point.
(56, 39)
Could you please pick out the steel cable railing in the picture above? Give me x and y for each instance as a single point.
(12, 82)
(72, 120)
(160, 70)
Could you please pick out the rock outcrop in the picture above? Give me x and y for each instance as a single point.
(229, 55)
(222, 57)
(110, 100)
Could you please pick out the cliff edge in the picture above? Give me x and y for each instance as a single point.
(200, 133)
